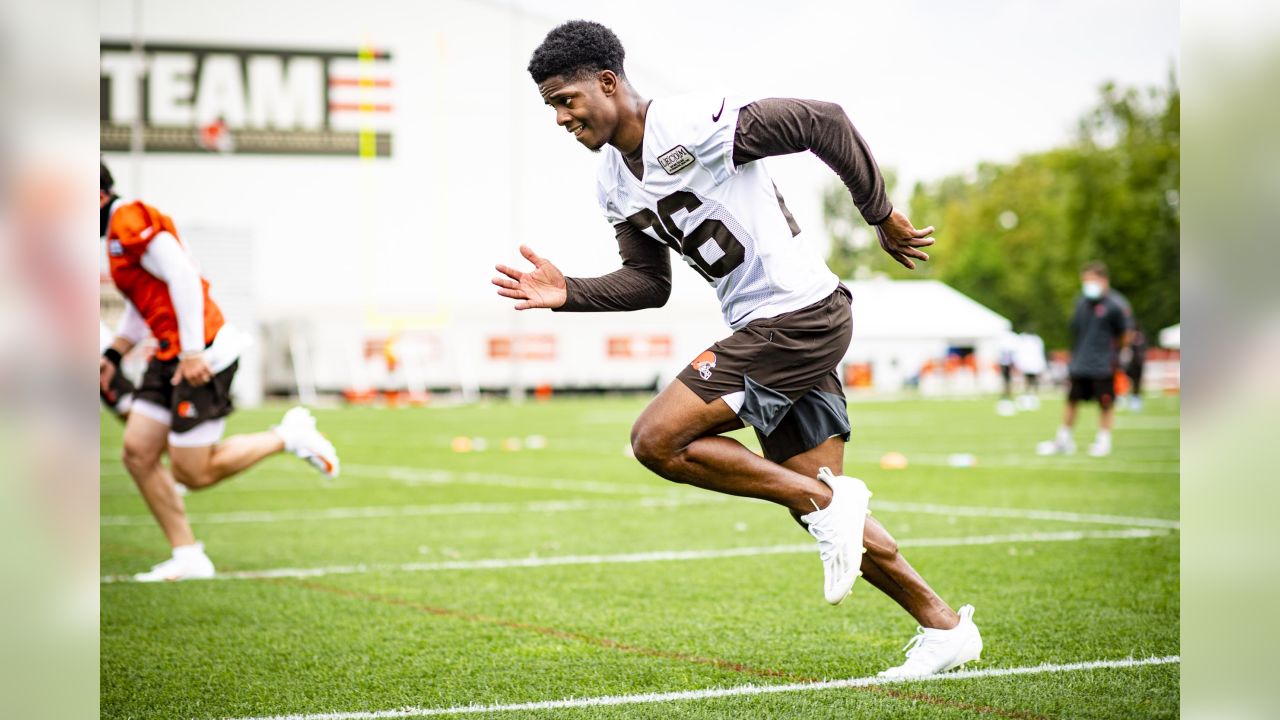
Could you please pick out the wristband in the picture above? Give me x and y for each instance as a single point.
(113, 356)
(190, 354)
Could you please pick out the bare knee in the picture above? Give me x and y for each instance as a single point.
(653, 446)
(192, 475)
(140, 457)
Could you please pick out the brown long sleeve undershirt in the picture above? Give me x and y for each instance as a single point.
(776, 126)
(643, 281)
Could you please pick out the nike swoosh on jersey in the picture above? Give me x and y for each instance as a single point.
(716, 117)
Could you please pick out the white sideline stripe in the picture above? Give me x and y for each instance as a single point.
(659, 556)
(736, 691)
(389, 511)
(1027, 514)
(386, 511)
(420, 476)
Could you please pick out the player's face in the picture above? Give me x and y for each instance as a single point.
(584, 107)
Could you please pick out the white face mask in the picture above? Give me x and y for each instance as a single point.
(1092, 290)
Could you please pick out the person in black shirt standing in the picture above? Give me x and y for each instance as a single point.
(1101, 326)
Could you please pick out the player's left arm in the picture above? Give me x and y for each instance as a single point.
(781, 126)
(129, 332)
(166, 259)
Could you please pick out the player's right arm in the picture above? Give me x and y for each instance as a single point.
(643, 281)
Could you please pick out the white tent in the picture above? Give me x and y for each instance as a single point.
(1171, 337)
(898, 325)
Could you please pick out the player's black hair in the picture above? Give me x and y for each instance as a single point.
(105, 181)
(1096, 267)
(575, 49)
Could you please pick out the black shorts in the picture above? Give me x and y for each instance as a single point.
(1135, 379)
(1088, 388)
(779, 375)
(188, 406)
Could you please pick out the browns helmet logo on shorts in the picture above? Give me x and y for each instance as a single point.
(186, 409)
(704, 363)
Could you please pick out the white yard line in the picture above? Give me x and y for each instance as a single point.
(422, 476)
(1027, 463)
(1027, 514)
(660, 556)
(398, 511)
(735, 691)
(551, 506)
(415, 476)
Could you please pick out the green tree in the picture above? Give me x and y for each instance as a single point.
(1013, 236)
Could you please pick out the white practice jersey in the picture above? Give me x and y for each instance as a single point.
(726, 222)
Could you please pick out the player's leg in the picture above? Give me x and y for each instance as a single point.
(883, 565)
(201, 457)
(1105, 391)
(201, 465)
(813, 435)
(1063, 442)
(1135, 388)
(677, 437)
(145, 437)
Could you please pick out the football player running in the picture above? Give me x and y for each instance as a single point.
(683, 174)
(184, 397)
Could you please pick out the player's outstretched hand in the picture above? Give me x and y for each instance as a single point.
(542, 287)
(901, 239)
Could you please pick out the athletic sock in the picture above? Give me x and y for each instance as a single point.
(188, 551)
(1064, 435)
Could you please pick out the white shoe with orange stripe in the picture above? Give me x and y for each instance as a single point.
(298, 430)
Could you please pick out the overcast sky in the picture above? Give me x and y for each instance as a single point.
(935, 85)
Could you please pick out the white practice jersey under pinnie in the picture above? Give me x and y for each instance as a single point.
(726, 222)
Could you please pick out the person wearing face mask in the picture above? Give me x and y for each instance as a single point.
(1101, 326)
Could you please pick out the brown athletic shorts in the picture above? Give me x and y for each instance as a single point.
(188, 405)
(779, 375)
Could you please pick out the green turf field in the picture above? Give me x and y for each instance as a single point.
(431, 581)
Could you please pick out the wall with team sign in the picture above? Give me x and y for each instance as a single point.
(374, 160)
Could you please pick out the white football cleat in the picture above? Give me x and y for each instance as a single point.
(838, 530)
(188, 563)
(298, 430)
(1100, 448)
(934, 651)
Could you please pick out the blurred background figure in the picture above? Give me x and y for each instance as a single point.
(1100, 327)
(1005, 359)
(1030, 362)
(1132, 359)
